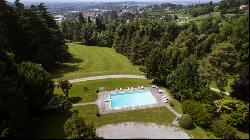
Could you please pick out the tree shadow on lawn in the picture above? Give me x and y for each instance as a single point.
(75, 99)
(94, 45)
(60, 69)
(73, 60)
(51, 124)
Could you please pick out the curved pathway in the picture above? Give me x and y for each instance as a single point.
(106, 77)
(131, 130)
(219, 91)
(122, 76)
(88, 103)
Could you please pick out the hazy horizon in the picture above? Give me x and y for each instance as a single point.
(70, 1)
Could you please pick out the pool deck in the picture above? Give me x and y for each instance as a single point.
(104, 107)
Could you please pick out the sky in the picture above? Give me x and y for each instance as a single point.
(202, 1)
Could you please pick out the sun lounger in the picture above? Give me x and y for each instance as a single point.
(120, 89)
(139, 88)
(107, 100)
(142, 87)
(116, 90)
(128, 88)
(160, 91)
(165, 101)
(132, 88)
(164, 96)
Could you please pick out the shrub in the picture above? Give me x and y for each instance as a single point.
(98, 114)
(76, 128)
(86, 89)
(198, 112)
(61, 103)
(171, 103)
(223, 130)
(186, 121)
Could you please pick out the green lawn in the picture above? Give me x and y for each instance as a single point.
(52, 125)
(77, 93)
(92, 61)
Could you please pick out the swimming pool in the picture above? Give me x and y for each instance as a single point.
(131, 98)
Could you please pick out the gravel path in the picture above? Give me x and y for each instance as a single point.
(217, 90)
(106, 77)
(121, 76)
(130, 130)
(88, 103)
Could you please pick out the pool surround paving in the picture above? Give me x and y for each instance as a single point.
(105, 107)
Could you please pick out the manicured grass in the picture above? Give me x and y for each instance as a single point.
(92, 61)
(77, 93)
(52, 126)
(159, 115)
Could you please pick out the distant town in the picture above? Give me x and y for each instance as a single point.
(63, 11)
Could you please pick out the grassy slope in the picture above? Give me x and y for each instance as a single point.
(78, 94)
(92, 61)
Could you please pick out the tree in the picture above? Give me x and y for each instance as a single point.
(98, 23)
(208, 26)
(185, 82)
(223, 130)
(32, 35)
(14, 117)
(233, 111)
(26, 34)
(236, 31)
(219, 64)
(160, 63)
(65, 85)
(76, 128)
(61, 102)
(87, 31)
(37, 84)
(81, 19)
(201, 10)
(241, 86)
(88, 20)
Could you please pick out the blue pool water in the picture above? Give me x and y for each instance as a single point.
(131, 98)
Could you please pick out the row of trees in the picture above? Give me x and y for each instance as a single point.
(30, 41)
(90, 32)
